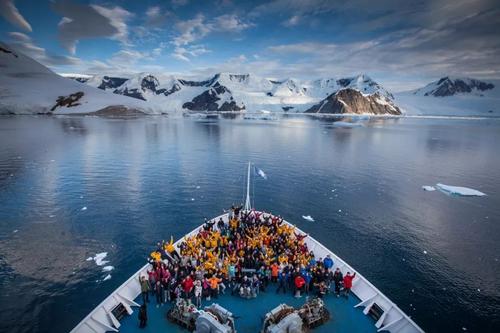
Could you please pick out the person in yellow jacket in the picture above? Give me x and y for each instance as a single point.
(170, 248)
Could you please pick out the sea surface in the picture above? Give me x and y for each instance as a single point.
(145, 179)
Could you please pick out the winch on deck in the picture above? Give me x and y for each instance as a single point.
(212, 319)
(286, 319)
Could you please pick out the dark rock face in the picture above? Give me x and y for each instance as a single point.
(149, 83)
(6, 50)
(207, 101)
(81, 79)
(344, 82)
(110, 82)
(449, 87)
(352, 101)
(135, 93)
(167, 92)
(68, 101)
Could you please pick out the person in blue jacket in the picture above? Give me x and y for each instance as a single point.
(328, 262)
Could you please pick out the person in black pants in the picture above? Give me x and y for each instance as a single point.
(143, 316)
(337, 280)
(281, 282)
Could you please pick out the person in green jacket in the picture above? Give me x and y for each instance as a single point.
(144, 289)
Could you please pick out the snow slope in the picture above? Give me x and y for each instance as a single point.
(452, 96)
(27, 87)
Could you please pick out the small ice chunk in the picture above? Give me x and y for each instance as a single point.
(425, 252)
(84, 208)
(107, 268)
(99, 258)
(308, 218)
(340, 210)
(479, 290)
(464, 328)
(107, 277)
(192, 199)
(459, 190)
(89, 259)
(198, 186)
(428, 188)
(15, 231)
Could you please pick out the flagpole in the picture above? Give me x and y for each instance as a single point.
(247, 201)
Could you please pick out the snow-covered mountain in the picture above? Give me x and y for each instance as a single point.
(451, 86)
(236, 92)
(453, 96)
(27, 87)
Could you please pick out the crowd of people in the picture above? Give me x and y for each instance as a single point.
(250, 254)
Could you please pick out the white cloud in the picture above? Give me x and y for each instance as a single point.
(192, 30)
(182, 53)
(229, 23)
(25, 44)
(90, 21)
(10, 12)
(197, 28)
(156, 17)
(292, 21)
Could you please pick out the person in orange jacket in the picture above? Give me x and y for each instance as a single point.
(214, 285)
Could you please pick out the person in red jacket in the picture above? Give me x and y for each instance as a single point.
(187, 286)
(348, 283)
(299, 285)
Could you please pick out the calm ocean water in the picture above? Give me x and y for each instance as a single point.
(145, 179)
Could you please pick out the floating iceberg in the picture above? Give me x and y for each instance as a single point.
(107, 268)
(428, 188)
(84, 208)
(459, 190)
(107, 277)
(308, 218)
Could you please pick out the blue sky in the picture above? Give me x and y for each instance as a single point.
(402, 44)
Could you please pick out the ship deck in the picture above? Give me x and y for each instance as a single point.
(249, 313)
(347, 315)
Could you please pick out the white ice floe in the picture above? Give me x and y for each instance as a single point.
(90, 258)
(99, 258)
(84, 208)
(107, 277)
(108, 268)
(262, 173)
(428, 188)
(15, 231)
(459, 190)
(425, 252)
(346, 124)
(198, 187)
(308, 218)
